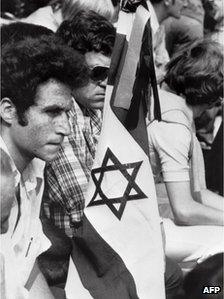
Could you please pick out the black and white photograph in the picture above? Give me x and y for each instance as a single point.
(111, 149)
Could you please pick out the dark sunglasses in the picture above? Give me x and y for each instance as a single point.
(99, 73)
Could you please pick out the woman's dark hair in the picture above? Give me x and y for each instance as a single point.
(88, 31)
(197, 72)
(32, 61)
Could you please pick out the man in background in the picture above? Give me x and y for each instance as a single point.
(160, 10)
(68, 175)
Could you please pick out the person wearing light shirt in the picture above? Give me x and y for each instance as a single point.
(195, 228)
(34, 120)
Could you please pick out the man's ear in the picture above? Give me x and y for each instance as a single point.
(7, 110)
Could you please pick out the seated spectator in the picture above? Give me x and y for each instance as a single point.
(37, 76)
(53, 15)
(190, 86)
(187, 29)
(160, 10)
(68, 175)
(207, 124)
(67, 178)
(93, 36)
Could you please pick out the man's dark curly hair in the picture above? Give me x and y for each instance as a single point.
(197, 72)
(32, 61)
(88, 31)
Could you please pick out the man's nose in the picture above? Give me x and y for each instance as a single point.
(103, 83)
(63, 125)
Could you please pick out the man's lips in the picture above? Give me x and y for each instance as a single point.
(99, 96)
(56, 143)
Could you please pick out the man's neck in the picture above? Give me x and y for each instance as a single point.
(160, 11)
(198, 110)
(166, 87)
(21, 161)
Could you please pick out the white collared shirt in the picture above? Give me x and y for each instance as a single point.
(23, 244)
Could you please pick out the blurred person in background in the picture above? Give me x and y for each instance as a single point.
(187, 29)
(56, 11)
(160, 10)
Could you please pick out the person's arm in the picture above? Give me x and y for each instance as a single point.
(189, 212)
(172, 143)
(212, 199)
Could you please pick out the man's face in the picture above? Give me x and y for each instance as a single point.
(47, 123)
(176, 7)
(92, 95)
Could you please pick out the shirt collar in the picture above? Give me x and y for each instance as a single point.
(17, 174)
(32, 174)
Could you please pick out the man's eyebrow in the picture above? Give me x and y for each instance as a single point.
(54, 107)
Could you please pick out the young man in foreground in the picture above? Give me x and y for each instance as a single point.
(38, 76)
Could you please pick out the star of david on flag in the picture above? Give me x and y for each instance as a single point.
(118, 253)
(131, 184)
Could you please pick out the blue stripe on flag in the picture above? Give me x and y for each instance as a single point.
(101, 269)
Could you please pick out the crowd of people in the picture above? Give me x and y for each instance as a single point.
(55, 63)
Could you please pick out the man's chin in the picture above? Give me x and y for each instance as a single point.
(100, 107)
(97, 105)
(48, 157)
